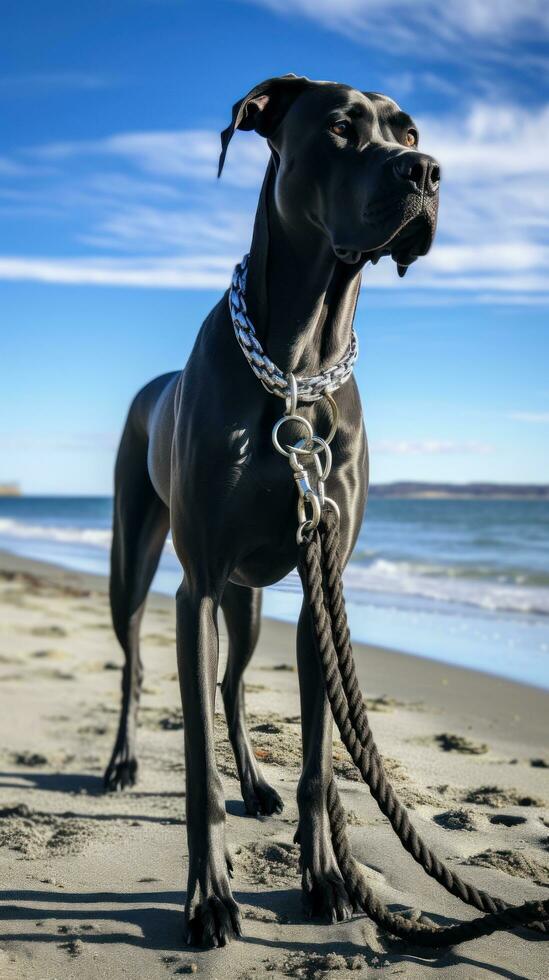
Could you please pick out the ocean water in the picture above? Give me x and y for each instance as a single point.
(461, 581)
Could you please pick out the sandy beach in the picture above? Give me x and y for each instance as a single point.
(93, 884)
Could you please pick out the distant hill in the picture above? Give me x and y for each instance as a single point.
(491, 491)
(10, 490)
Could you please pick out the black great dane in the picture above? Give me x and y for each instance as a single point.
(345, 184)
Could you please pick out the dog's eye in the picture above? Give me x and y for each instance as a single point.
(411, 137)
(341, 128)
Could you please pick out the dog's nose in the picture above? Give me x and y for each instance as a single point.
(422, 171)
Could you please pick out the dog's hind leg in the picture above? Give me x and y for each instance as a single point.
(324, 893)
(242, 610)
(140, 526)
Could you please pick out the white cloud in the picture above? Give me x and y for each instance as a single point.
(137, 228)
(404, 83)
(8, 168)
(401, 25)
(431, 447)
(118, 186)
(495, 167)
(536, 417)
(212, 270)
(15, 168)
(191, 154)
(491, 140)
(43, 83)
(199, 272)
(494, 217)
(508, 267)
(155, 204)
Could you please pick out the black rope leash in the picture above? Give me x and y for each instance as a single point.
(320, 569)
(319, 566)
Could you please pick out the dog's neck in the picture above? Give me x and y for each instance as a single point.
(300, 298)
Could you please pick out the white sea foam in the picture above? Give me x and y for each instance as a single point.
(406, 579)
(375, 577)
(97, 537)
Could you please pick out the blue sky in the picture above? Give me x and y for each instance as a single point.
(116, 239)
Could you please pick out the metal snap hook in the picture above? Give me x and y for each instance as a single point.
(312, 447)
(316, 513)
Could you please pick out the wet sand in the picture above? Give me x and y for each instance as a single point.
(92, 885)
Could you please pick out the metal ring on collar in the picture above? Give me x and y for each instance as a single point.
(335, 417)
(303, 530)
(281, 421)
(291, 397)
(329, 502)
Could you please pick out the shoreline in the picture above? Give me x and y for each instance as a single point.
(454, 586)
(425, 664)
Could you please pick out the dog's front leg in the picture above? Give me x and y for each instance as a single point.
(324, 892)
(211, 914)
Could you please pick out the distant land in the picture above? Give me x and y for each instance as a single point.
(403, 489)
(10, 490)
(461, 491)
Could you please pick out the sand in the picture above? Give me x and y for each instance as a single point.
(93, 884)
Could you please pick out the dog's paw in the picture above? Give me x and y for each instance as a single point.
(120, 773)
(325, 897)
(212, 922)
(260, 799)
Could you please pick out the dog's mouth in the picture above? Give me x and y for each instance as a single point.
(409, 242)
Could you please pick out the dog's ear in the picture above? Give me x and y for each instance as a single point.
(262, 109)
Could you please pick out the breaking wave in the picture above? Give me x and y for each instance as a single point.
(486, 587)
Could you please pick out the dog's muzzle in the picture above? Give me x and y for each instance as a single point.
(400, 217)
(404, 216)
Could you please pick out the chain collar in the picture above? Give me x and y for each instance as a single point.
(271, 377)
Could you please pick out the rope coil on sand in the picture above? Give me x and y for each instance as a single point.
(320, 570)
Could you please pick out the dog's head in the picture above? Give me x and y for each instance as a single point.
(346, 162)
